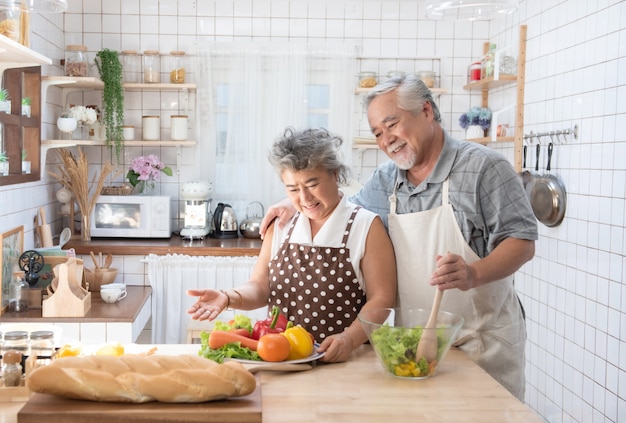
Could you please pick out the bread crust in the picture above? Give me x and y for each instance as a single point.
(139, 379)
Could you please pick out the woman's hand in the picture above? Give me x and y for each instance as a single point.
(283, 210)
(209, 304)
(337, 348)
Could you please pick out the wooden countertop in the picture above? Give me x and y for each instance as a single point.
(123, 311)
(174, 245)
(359, 390)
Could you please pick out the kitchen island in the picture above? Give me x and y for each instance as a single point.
(359, 390)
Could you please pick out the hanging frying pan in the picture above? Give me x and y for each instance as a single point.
(532, 178)
(548, 197)
(526, 176)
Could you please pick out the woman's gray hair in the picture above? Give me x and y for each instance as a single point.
(412, 94)
(307, 150)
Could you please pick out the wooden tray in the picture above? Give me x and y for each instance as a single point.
(53, 409)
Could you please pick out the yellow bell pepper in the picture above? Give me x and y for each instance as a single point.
(300, 341)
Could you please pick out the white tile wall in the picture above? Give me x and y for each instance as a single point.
(573, 289)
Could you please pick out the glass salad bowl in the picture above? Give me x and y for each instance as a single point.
(394, 334)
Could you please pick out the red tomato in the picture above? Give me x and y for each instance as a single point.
(273, 347)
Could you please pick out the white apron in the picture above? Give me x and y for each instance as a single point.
(493, 334)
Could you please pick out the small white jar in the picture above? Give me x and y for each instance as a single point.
(128, 131)
(179, 127)
(151, 126)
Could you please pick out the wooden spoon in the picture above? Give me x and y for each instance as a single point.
(95, 261)
(427, 346)
(108, 261)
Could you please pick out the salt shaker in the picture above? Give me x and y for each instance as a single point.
(12, 368)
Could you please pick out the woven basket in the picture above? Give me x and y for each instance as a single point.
(123, 190)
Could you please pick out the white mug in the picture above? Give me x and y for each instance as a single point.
(112, 295)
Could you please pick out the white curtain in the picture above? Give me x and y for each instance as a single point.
(249, 93)
(173, 274)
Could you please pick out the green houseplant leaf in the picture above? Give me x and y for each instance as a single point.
(110, 69)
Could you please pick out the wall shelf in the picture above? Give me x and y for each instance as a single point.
(498, 81)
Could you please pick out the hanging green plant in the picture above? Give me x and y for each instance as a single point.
(110, 69)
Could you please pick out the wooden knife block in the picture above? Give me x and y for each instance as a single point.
(69, 299)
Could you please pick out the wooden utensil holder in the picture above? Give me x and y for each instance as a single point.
(69, 299)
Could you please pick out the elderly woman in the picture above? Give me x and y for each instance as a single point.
(332, 260)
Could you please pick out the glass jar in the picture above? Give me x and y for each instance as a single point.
(130, 66)
(42, 343)
(177, 72)
(488, 62)
(151, 66)
(10, 24)
(367, 79)
(76, 60)
(428, 78)
(473, 72)
(16, 340)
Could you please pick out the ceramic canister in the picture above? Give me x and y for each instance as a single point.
(179, 127)
(151, 128)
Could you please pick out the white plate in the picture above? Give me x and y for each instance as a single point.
(314, 356)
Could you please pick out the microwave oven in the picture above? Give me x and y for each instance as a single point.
(131, 216)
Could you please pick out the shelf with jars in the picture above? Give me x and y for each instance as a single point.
(502, 75)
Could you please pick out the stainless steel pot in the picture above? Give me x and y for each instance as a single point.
(548, 197)
(251, 226)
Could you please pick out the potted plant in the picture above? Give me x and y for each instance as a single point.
(110, 69)
(5, 101)
(4, 164)
(26, 103)
(475, 122)
(25, 161)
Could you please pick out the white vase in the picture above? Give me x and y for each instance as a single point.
(474, 131)
(67, 125)
(5, 106)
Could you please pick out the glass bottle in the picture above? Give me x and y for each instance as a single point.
(177, 72)
(18, 295)
(76, 60)
(42, 346)
(151, 66)
(488, 62)
(12, 368)
(130, 66)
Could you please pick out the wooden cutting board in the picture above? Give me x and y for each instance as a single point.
(53, 409)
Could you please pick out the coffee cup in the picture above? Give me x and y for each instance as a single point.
(121, 286)
(112, 295)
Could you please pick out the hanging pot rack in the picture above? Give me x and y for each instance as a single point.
(563, 132)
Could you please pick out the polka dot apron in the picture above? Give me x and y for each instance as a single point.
(316, 286)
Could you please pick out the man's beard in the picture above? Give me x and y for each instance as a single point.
(404, 162)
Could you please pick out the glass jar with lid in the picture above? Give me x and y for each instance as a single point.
(177, 67)
(151, 66)
(367, 79)
(131, 66)
(16, 340)
(42, 346)
(76, 60)
(428, 77)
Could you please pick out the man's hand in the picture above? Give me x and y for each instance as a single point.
(283, 210)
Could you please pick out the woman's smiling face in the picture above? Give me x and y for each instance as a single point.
(314, 192)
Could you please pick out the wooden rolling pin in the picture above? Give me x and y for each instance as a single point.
(46, 233)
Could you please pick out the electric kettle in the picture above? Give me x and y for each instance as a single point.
(225, 222)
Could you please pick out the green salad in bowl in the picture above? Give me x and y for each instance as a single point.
(395, 333)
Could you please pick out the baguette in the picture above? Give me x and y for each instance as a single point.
(139, 379)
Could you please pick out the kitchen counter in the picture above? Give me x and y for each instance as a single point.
(359, 390)
(125, 310)
(174, 245)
